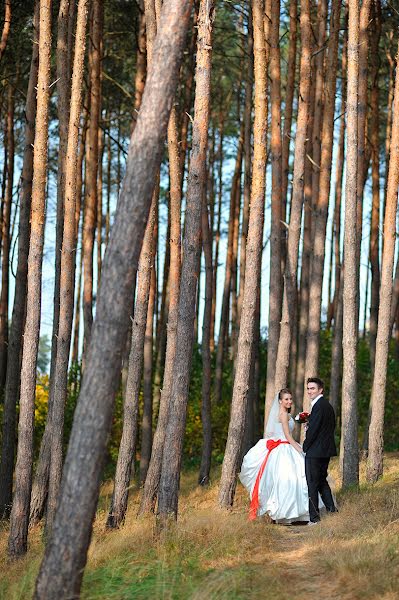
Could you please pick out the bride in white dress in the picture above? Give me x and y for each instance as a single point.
(273, 471)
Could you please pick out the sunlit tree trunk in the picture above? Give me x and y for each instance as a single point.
(6, 27)
(376, 432)
(276, 236)
(17, 543)
(349, 443)
(254, 256)
(172, 454)
(90, 207)
(67, 270)
(289, 309)
(66, 553)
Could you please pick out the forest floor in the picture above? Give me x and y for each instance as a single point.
(212, 555)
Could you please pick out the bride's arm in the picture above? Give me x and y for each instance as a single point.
(287, 433)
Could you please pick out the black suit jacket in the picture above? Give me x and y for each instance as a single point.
(319, 441)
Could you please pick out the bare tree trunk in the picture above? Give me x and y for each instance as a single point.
(376, 435)
(172, 454)
(217, 233)
(131, 402)
(289, 310)
(336, 351)
(90, 208)
(205, 467)
(276, 239)
(224, 315)
(62, 568)
(6, 27)
(17, 543)
(254, 256)
(67, 270)
(321, 208)
(146, 427)
(349, 444)
(5, 258)
(289, 101)
(154, 470)
(18, 313)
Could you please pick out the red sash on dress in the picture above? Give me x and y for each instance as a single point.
(253, 509)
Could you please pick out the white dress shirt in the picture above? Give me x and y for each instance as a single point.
(313, 402)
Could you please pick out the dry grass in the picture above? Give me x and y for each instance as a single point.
(214, 555)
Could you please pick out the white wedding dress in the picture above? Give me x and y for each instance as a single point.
(282, 492)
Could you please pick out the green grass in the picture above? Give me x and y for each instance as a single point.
(210, 554)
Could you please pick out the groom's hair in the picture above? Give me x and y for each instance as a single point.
(319, 382)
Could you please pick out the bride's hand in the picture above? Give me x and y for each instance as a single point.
(298, 448)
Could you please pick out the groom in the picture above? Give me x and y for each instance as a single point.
(319, 446)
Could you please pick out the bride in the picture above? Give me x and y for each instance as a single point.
(273, 471)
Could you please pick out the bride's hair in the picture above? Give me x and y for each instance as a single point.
(281, 394)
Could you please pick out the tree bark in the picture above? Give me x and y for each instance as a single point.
(276, 238)
(172, 454)
(205, 466)
(5, 258)
(376, 433)
(254, 255)
(127, 445)
(6, 27)
(321, 208)
(289, 309)
(349, 444)
(17, 543)
(90, 208)
(67, 267)
(18, 314)
(217, 232)
(66, 553)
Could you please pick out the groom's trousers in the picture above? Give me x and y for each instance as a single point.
(316, 476)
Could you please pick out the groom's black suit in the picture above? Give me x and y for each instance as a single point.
(319, 446)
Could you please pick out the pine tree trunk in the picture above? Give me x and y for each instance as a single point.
(289, 309)
(5, 258)
(276, 239)
(376, 433)
(62, 568)
(349, 444)
(6, 27)
(254, 255)
(17, 543)
(172, 454)
(90, 208)
(67, 268)
(205, 466)
(217, 233)
(321, 208)
(154, 470)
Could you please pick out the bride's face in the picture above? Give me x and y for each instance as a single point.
(286, 401)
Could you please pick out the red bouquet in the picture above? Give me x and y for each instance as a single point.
(302, 417)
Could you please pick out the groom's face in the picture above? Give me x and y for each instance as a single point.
(313, 390)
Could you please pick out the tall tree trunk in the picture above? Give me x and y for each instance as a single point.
(349, 444)
(6, 27)
(289, 310)
(289, 101)
(18, 313)
(276, 240)
(66, 553)
(321, 208)
(254, 256)
(17, 543)
(224, 315)
(217, 232)
(336, 351)
(376, 434)
(5, 258)
(205, 466)
(172, 454)
(131, 402)
(154, 470)
(146, 427)
(90, 208)
(67, 271)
